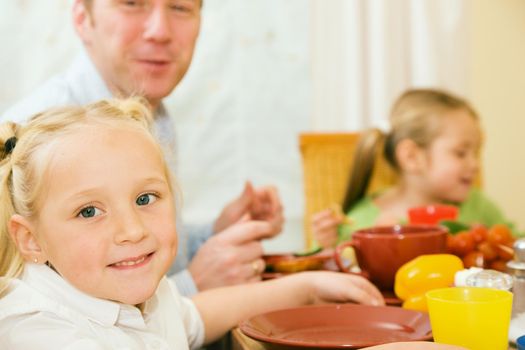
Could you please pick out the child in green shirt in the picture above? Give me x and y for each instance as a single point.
(433, 145)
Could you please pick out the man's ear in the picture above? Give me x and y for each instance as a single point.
(22, 233)
(410, 156)
(82, 21)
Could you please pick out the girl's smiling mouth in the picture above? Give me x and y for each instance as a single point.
(132, 262)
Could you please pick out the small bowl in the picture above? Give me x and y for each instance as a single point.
(382, 250)
(432, 214)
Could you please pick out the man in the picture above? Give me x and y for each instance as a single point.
(145, 47)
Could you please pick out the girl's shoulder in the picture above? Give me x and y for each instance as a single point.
(479, 208)
(478, 204)
(23, 312)
(364, 213)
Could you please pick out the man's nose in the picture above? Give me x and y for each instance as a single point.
(157, 26)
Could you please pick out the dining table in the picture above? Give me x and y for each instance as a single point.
(239, 341)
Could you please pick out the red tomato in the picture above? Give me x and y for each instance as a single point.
(499, 234)
(479, 232)
(461, 244)
(474, 259)
(450, 243)
(505, 252)
(488, 250)
(498, 265)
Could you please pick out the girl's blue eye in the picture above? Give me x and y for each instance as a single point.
(89, 212)
(146, 199)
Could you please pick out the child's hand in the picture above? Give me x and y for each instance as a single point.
(324, 226)
(223, 308)
(336, 287)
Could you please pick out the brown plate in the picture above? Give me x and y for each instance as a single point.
(391, 298)
(348, 326)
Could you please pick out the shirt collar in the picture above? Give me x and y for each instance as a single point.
(51, 284)
(85, 82)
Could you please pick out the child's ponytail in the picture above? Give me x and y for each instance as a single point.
(363, 166)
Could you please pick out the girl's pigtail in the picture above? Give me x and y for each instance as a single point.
(363, 166)
(11, 261)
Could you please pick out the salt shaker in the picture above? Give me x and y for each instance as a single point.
(490, 279)
(516, 268)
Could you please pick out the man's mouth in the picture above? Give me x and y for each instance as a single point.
(154, 62)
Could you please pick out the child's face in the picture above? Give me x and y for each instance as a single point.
(107, 221)
(452, 159)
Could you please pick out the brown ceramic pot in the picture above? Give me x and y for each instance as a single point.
(382, 250)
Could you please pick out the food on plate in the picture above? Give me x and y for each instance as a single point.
(337, 211)
(288, 263)
(309, 252)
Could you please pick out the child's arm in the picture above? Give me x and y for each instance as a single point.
(223, 308)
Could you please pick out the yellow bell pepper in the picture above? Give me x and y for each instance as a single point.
(424, 273)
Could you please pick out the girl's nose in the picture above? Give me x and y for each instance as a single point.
(129, 228)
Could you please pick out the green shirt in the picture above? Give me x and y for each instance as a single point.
(477, 208)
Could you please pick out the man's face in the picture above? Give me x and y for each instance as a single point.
(140, 46)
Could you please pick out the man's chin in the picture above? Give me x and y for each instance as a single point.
(156, 93)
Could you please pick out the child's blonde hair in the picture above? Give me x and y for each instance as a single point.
(416, 115)
(25, 151)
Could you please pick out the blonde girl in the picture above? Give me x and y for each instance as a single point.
(433, 145)
(88, 233)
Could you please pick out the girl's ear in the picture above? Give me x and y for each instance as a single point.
(22, 233)
(410, 156)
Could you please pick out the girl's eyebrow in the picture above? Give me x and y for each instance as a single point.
(88, 191)
(155, 179)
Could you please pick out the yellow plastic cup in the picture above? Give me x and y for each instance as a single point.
(475, 318)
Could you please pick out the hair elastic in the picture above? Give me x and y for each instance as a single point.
(10, 144)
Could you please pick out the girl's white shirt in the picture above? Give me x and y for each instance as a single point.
(43, 311)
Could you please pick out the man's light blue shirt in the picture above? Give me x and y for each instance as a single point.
(82, 84)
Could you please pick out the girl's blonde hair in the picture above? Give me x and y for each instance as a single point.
(22, 166)
(416, 115)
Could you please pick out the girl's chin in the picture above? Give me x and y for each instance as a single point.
(135, 294)
(136, 299)
(458, 199)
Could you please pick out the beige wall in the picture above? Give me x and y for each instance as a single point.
(497, 89)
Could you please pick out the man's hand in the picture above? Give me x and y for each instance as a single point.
(261, 204)
(231, 257)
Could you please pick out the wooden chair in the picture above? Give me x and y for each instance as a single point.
(327, 162)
